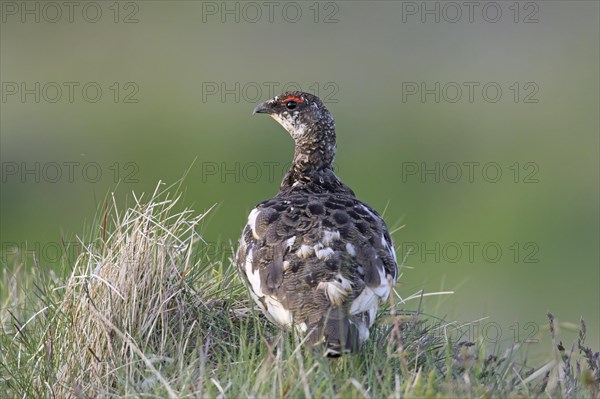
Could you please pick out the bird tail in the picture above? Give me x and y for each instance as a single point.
(337, 332)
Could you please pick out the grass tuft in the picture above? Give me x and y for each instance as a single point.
(145, 312)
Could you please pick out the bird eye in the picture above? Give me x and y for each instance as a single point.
(291, 104)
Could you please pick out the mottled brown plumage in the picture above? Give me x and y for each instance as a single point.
(314, 256)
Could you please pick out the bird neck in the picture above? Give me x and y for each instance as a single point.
(312, 166)
(314, 152)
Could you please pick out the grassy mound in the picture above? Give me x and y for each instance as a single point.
(145, 312)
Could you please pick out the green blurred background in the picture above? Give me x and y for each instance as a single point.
(179, 81)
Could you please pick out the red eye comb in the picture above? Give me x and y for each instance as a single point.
(292, 98)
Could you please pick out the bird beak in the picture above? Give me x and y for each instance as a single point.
(262, 108)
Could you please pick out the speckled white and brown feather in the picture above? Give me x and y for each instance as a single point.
(314, 256)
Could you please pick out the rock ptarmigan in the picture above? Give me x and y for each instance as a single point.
(314, 257)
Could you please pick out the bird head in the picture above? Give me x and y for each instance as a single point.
(303, 115)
